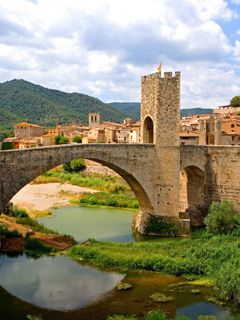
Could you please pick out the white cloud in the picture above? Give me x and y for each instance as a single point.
(102, 47)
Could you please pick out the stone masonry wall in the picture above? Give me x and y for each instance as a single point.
(221, 168)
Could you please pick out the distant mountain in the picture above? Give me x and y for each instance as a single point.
(21, 100)
(188, 112)
(132, 109)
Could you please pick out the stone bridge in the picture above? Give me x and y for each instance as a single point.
(206, 173)
(169, 180)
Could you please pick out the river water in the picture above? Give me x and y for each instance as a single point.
(59, 288)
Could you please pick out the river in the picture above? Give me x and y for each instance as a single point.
(59, 288)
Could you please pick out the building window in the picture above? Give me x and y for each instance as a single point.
(232, 125)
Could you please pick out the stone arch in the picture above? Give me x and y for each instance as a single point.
(210, 139)
(148, 130)
(191, 189)
(43, 159)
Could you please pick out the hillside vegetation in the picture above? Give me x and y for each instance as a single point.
(132, 109)
(21, 100)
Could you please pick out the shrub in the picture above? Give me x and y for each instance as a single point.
(7, 146)
(60, 140)
(77, 139)
(155, 315)
(4, 231)
(228, 280)
(14, 211)
(222, 218)
(74, 166)
(161, 226)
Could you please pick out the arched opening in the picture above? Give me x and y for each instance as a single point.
(117, 194)
(192, 193)
(148, 130)
(210, 139)
(135, 185)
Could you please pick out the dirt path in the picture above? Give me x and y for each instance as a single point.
(46, 196)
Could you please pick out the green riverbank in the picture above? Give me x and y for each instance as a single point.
(216, 258)
(113, 190)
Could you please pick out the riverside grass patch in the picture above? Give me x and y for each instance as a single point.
(109, 199)
(201, 255)
(89, 180)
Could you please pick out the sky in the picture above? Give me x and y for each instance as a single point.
(103, 47)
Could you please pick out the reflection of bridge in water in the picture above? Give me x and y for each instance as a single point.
(165, 177)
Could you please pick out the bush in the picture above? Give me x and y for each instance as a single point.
(228, 280)
(161, 226)
(77, 139)
(7, 233)
(7, 146)
(74, 166)
(14, 211)
(60, 140)
(222, 218)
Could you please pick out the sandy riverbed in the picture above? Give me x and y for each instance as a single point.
(46, 196)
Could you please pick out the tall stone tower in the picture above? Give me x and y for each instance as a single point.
(94, 120)
(210, 131)
(160, 122)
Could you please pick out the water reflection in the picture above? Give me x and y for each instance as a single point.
(203, 308)
(55, 282)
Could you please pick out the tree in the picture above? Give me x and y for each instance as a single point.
(7, 146)
(235, 101)
(77, 139)
(74, 165)
(60, 140)
(222, 218)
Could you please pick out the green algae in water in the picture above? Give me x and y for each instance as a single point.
(160, 297)
(124, 286)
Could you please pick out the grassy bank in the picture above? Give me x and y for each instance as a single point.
(215, 257)
(109, 199)
(113, 191)
(83, 179)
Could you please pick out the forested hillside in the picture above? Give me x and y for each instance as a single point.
(22, 100)
(133, 109)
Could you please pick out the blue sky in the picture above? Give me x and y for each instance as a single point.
(103, 47)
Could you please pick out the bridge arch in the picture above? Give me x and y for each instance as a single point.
(148, 130)
(191, 188)
(28, 164)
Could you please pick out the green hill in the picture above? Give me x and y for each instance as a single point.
(132, 109)
(21, 100)
(24, 101)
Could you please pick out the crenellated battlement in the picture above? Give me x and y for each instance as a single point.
(158, 75)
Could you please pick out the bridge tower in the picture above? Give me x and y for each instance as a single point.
(160, 122)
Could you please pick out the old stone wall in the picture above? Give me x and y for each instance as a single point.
(220, 166)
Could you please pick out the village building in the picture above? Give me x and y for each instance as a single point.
(25, 130)
(226, 110)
